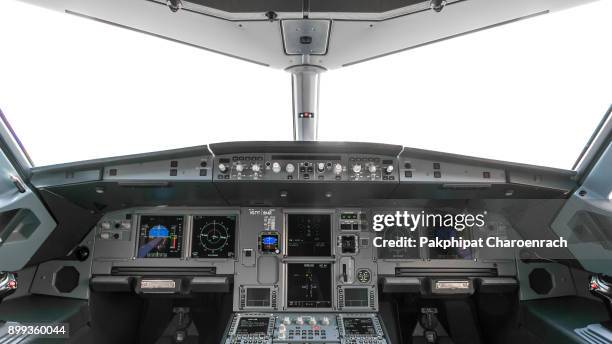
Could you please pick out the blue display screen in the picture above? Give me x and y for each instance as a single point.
(269, 240)
(269, 243)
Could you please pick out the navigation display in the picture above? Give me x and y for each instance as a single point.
(398, 233)
(311, 285)
(359, 326)
(160, 236)
(309, 235)
(253, 325)
(447, 233)
(213, 236)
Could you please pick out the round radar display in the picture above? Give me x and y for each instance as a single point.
(213, 236)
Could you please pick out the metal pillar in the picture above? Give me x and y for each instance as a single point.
(305, 82)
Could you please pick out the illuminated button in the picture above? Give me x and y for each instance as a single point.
(312, 321)
(239, 167)
(276, 167)
(321, 167)
(290, 168)
(357, 168)
(372, 168)
(338, 168)
(286, 320)
(256, 168)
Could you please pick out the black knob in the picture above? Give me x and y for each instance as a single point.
(81, 253)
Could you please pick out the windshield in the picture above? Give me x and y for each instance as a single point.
(530, 92)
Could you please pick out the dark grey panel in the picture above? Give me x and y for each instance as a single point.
(74, 223)
(360, 6)
(121, 195)
(247, 6)
(357, 6)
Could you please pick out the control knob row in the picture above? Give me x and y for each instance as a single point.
(290, 168)
(300, 321)
(239, 168)
(372, 168)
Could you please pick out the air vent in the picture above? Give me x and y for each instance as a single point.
(66, 279)
(540, 281)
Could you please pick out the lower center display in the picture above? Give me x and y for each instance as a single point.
(311, 285)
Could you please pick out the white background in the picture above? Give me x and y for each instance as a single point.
(531, 92)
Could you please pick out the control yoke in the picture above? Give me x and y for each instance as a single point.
(601, 286)
(8, 284)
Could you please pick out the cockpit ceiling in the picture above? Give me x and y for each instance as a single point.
(360, 30)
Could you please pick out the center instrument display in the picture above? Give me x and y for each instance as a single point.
(359, 326)
(309, 235)
(311, 285)
(213, 236)
(160, 236)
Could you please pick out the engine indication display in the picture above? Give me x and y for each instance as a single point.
(309, 235)
(160, 236)
(310, 285)
(213, 236)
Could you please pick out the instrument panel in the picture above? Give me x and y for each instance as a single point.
(298, 260)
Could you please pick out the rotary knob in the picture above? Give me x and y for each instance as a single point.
(276, 167)
(289, 168)
(321, 167)
(338, 168)
(299, 321)
(372, 168)
(239, 167)
(223, 168)
(389, 169)
(256, 168)
(325, 321)
(312, 321)
(287, 321)
(357, 168)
